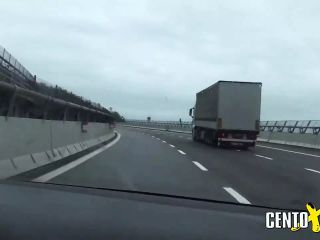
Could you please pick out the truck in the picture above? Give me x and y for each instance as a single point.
(227, 113)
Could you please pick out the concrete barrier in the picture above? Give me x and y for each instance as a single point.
(71, 149)
(53, 155)
(7, 168)
(78, 147)
(19, 136)
(40, 158)
(24, 163)
(294, 139)
(62, 151)
(30, 143)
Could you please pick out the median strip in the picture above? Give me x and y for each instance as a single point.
(236, 195)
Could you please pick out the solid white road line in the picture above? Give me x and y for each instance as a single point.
(171, 145)
(236, 195)
(257, 155)
(312, 170)
(285, 150)
(50, 175)
(164, 141)
(199, 165)
(182, 152)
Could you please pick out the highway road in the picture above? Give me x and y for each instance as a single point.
(171, 163)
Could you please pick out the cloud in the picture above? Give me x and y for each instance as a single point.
(149, 58)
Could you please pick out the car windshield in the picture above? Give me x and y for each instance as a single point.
(214, 100)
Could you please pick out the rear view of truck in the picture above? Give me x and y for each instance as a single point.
(228, 113)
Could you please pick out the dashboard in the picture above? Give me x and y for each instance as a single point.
(44, 211)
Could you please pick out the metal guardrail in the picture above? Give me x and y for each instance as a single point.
(16, 82)
(14, 100)
(293, 126)
(13, 65)
(177, 125)
(13, 72)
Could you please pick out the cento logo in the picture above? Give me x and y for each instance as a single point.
(294, 221)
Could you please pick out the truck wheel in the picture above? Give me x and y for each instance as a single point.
(194, 135)
(208, 137)
(245, 147)
(223, 144)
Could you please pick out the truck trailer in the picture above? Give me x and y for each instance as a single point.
(227, 113)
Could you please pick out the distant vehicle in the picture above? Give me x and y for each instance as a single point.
(227, 113)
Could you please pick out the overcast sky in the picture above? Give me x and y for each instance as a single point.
(149, 58)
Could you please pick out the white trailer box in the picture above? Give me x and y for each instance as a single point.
(228, 112)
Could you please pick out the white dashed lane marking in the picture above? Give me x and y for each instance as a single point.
(182, 152)
(236, 195)
(285, 150)
(260, 156)
(312, 170)
(199, 165)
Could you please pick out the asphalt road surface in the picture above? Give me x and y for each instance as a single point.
(171, 163)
